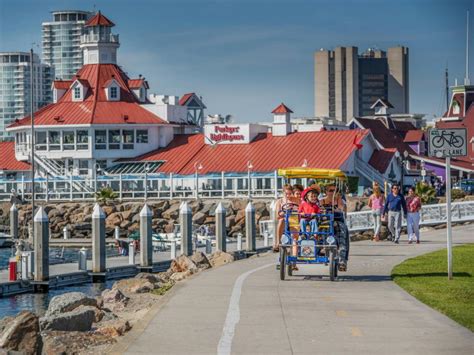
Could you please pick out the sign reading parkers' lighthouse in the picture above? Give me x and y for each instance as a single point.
(447, 142)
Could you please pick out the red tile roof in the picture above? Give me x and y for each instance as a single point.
(99, 20)
(282, 108)
(62, 84)
(414, 135)
(183, 100)
(8, 160)
(388, 138)
(137, 83)
(381, 159)
(95, 109)
(266, 152)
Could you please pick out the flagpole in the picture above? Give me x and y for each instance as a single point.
(32, 143)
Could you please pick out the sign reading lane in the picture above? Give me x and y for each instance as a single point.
(447, 142)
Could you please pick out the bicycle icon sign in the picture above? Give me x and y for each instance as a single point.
(447, 142)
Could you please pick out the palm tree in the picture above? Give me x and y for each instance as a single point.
(106, 194)
(426, 192)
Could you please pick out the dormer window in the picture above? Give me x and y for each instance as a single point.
(113, 92)
(77, 93)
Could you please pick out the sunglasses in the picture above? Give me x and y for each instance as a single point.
(332, 190)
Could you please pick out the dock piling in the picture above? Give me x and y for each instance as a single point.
(221, 232)
(98, 240)
(274, 216)
(14, 222)
(186, 225)
(41, 246)
(146, 245)
(173, 249)
(250, 229)
(239, 241)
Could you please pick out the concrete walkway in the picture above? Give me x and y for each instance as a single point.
(363, 312)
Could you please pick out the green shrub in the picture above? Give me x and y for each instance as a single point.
(106, 194)
(457, 194)
(426, 192)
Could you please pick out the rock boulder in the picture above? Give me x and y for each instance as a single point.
(183, 263)
(22, 334)
(201, 261)
(68, 302)
(80, 320)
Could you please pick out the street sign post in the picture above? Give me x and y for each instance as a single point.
(447, 143)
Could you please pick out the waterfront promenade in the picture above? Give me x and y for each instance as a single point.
(363, 312)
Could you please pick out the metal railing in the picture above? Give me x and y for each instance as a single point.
(145, 186)
(430, 215)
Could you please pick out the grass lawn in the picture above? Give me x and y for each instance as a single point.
(425, 277)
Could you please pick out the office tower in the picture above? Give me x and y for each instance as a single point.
(61, 42)
(347, 84)
(15, 87)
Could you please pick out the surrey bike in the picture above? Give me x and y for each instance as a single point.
(305, 247)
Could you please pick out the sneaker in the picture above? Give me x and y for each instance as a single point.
(396, 242)
(342, 266)
(410, 241)
(417, 242)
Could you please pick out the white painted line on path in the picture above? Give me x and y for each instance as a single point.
(233, 313)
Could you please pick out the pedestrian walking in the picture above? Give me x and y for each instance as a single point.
(376, 203)
(413, 216)
(393, 207)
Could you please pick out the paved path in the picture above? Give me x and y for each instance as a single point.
(364, 312)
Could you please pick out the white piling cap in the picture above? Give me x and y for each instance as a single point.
(41, 215)
(249, 207)
(98, 212)
(13, 207)
(220, 208)
(185, 209)
(146, 211)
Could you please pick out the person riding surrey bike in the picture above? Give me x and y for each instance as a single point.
(333, 201)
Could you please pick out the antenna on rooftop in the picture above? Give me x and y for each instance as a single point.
(466, 79)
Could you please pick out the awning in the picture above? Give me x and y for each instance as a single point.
(134, 168)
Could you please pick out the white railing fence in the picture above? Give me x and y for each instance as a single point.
(430, 215)
(145, 186)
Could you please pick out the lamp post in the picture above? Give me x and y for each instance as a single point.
(96, 172)
(197, 167)
(147, 168)
(249, 181)
(404, 160)
(423, 171)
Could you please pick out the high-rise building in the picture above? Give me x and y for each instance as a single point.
(15, 87)
(347, 84)
(61, 42)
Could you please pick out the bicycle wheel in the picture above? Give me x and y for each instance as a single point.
(457, 142)
(282, 263)
(438, 141)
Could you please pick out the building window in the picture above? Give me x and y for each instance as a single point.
(68, 140)
(101, 139)
(40, 141)
(113, 92)
(82, 140)
(128, 138)
(83, 167)
(142, 136)
(77, 93)
(54, 140)
(114, 139)
(70, 165)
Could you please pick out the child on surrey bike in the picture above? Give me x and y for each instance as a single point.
(308, 209)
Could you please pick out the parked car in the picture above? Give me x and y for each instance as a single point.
(466, 185)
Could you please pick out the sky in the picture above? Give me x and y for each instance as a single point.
(244, 57)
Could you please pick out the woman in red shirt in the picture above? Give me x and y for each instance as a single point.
(413, 216)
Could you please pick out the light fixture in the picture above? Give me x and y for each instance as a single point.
(249, 165)
(305, 164)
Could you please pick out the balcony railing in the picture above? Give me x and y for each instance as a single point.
(94, 38)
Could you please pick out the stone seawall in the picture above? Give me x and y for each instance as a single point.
(78, 216)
